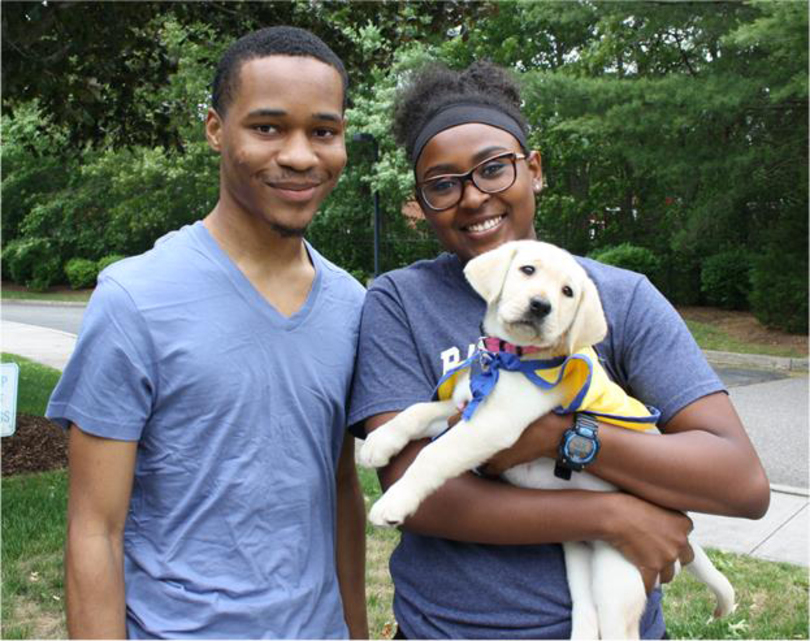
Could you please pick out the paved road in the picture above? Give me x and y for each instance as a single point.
(772, 404)
(65, 318)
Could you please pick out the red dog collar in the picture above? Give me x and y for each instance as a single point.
(493, 344)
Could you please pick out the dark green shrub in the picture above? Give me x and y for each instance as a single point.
(779, 268)
(32, 262)
(779, 298)
(725, 279)
(108, 260)
(632, 257)
(81, 273)
(779, 291)
(680, 278)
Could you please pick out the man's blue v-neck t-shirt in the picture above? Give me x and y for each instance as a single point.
(239, 413)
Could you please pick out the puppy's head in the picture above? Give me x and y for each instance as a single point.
(537, 295)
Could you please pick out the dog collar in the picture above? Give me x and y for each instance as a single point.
(495, 344)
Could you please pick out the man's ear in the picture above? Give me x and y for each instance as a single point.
(487, 272)
(213, 130)
(589, 325)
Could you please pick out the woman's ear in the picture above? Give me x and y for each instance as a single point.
(213, 130)
(535, 164)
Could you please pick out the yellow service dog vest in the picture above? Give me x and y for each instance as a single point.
(587, 385)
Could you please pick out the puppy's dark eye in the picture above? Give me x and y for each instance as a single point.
(528, 269)
(567, 291)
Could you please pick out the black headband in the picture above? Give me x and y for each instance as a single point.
(461, 113)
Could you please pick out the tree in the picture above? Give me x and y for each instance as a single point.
(101, 67)
(680, 128)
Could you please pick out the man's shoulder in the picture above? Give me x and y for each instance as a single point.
(339, 278)
(168, 263)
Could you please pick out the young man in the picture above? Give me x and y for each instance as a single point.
(212, 483)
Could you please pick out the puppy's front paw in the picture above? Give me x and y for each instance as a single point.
(393, 507)
(380, 446)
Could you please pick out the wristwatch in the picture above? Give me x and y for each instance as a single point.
(578, 447)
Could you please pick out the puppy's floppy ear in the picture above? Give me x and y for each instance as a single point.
(487, 272)
(589, 325)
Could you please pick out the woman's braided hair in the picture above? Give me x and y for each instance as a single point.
(435, 86)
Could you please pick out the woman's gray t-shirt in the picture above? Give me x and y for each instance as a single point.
(419, 322)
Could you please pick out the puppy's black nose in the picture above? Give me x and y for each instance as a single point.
(539, 308)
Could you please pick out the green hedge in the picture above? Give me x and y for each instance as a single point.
(725, 279)
(105, 262)
(632, 257)
(33, 262)
(81, 273)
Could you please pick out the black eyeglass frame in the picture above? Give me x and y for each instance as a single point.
(469, 176)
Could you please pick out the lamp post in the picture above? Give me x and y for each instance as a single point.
(366, 137)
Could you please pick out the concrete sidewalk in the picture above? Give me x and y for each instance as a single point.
(782, 535)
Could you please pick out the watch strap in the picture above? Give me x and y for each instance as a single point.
(585, 426)
(561, 471)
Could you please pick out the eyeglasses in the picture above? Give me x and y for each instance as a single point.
(490, 176)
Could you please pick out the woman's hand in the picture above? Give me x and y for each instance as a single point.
(540, 439)
(651, 537)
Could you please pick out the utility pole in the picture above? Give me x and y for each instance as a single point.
(366, 137)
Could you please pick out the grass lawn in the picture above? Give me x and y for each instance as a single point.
(772, 597)
(33, 530)
(710, 337)
(67, 295)
(34, 385)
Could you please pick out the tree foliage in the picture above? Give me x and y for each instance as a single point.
(679, 128)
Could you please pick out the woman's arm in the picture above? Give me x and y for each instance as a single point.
(473, 509)
(703, 462)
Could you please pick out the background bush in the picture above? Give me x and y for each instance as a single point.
(108, 260)
(32, 262)
(779, 276)
(656, 133)
(725, 279)
(779, 297)
(632, 257)
(81, 273)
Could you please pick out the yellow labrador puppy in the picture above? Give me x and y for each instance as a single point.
(541, 300)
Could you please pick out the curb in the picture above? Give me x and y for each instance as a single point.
(758, 361)
(790, 489)
(49, 303)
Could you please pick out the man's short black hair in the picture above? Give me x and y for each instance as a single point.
(270, 41)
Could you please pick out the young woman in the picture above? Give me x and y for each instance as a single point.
(480, 558)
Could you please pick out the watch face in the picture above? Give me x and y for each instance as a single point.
(579, 448)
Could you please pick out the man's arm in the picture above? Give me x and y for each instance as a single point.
(351, 542)
(101, 473)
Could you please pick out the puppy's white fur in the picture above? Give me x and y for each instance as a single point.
(607, 590)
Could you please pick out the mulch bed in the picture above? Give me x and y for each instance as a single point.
(37, 445)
